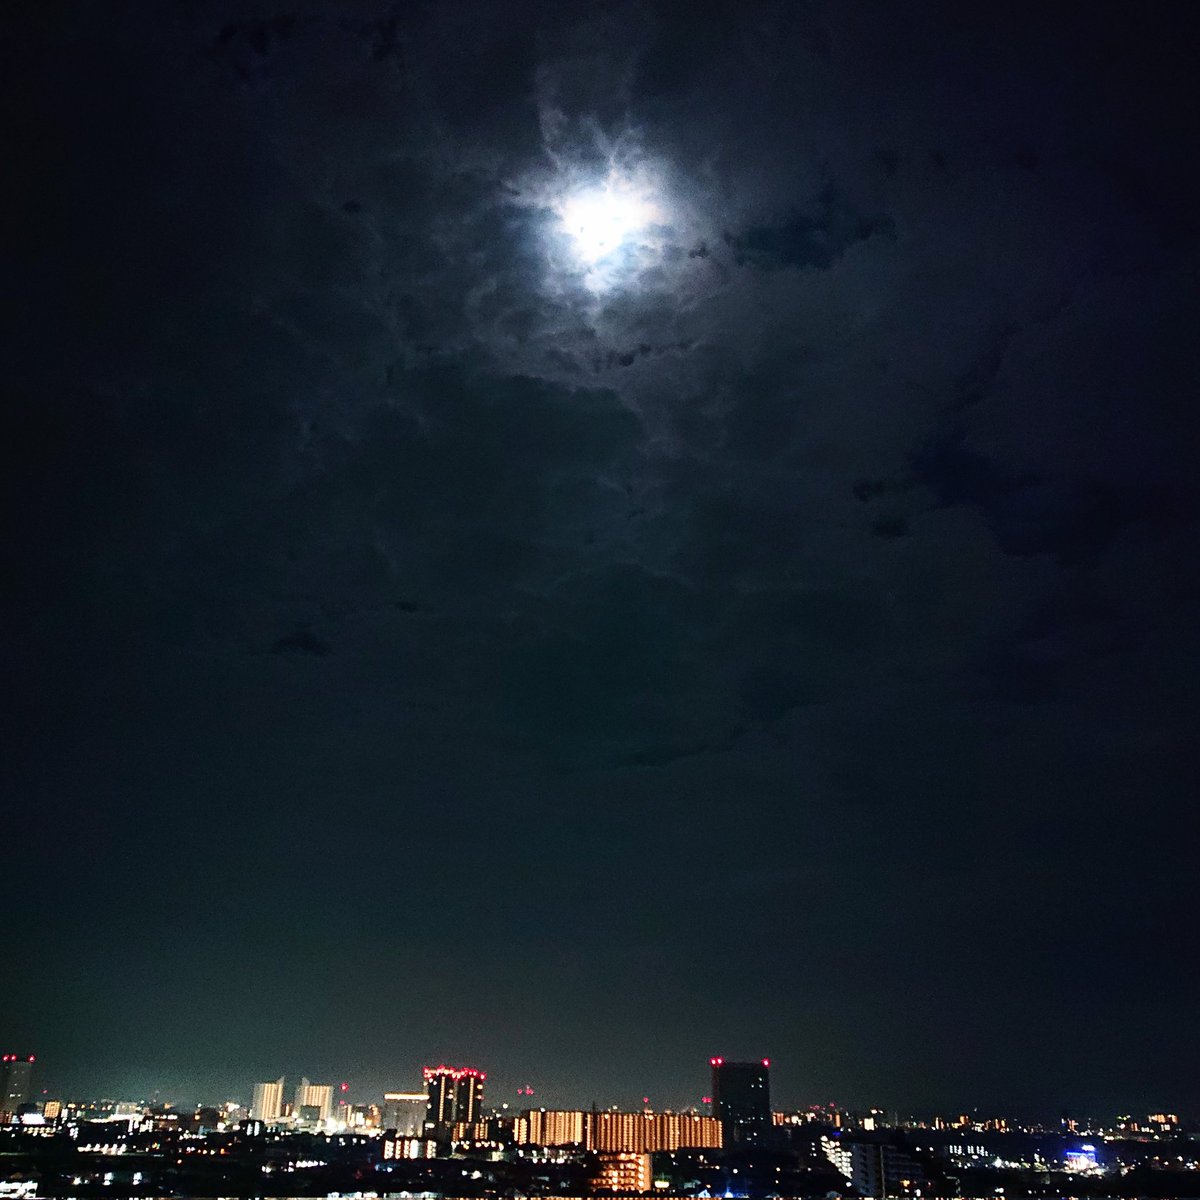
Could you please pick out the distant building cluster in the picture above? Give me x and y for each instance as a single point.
(451, 1111)
(311, 1106)
(442, 1138)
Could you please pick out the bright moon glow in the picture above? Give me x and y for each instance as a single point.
(603, 219)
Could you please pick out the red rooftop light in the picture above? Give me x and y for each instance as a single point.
(453, 1072)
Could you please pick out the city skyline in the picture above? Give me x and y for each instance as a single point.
(417, 1142)
(1062, 1114)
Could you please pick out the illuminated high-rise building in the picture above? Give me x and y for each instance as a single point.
(268, 1102)
(405, 1112)
(16, 1084)
(454, 1095)
(439, 1101)
(468, 1096)
(314, 1096)
(741, 1100)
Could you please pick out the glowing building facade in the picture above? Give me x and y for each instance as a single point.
(317, 1098)
(556, 1127)
(618, 1132)
(680, 1131)
(268, 1102)
(623, 1172)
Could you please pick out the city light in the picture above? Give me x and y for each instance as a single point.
(387, 1147)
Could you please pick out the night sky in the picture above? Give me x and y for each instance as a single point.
(777, 636)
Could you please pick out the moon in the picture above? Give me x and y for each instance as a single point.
(604, 219)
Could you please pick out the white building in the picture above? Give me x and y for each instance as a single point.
(268, 1102)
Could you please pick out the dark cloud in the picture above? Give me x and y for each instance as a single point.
(1074, 519)
(817, 238)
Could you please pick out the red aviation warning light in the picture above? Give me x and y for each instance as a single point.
(454, 1072)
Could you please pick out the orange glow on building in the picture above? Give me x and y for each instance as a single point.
(619, 1132)
(623, 1172)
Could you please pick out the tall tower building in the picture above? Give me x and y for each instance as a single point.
(16, 1084)
(468, 1095)
(268, 1102)
(318, 1096)
(741, 1100)
(454, 1095)
(439, 1088)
